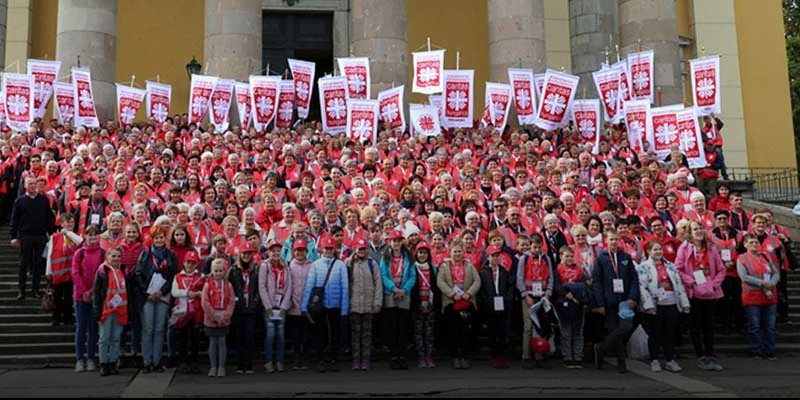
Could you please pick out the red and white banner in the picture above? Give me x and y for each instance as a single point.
(691, 138)
(425, 120)
(358, 79)
(706, 85)
(437, 100)
(664, 122)
(538, 80)
(557, 94)
(243, 103)
(638, 124)
(486, 116)
(264, 92)
(522, 82)
(64, 102)
(85, 111)
(157, 100)
(459, 88)
(200, 96)
(129, 101)
(607, 83)
(362, 120)
(586, 116)
(641, 67)
(221, 100)
(285, 105)
(500, 96)
(333, 104)
(303, 76)
(391, 106)
(624, 92)
(428, 69)
(18, 95)
(44, 73)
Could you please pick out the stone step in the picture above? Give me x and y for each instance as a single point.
(33, 327)
(24, 338)
(45, 360)
(36, 348)
(19, 309)
(24, 318)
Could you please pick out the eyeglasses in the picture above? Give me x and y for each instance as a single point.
(514, 215)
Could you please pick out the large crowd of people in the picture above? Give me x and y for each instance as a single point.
(155, 233)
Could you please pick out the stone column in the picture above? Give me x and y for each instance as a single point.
(88, 28)
(593, 31)
(233, 36)
(654, 22)
(3, 16)
(378, 31)
(516, 36)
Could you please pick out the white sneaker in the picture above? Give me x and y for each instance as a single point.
(672, 366)
(655, 366)
(90, 365)
(80, 366)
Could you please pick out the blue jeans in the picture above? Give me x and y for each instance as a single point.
(110, 333)
(154, 321)
(274, 328)
(85, 325)
(761, 321)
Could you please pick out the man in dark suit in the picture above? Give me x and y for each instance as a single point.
(615, 281)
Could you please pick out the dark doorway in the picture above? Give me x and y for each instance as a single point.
(307, 37)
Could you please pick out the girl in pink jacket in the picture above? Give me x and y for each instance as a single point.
(218, 302)
(85, 263)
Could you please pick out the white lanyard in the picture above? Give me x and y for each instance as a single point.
(222, 298)
(496, 279)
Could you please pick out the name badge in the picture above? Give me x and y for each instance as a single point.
(116, 301)
(499, 304)
(700, 277)
(275, 314)
(687, 207)
(536, 288)
(220, 313)
(619, 286)
(726, 255)
(767, 277)
(458, 290)
(94, 219)
(663, 294)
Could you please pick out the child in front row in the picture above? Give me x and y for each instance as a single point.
(218, 302)
(571, 297)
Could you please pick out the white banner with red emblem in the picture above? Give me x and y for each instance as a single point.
(221, 100)
(285, 105)
(706, 85)
(85, 111)
(333, 104)
(638, 124)
(18, 95)
(44, 74)
(641, 68)
(200, 91)
(264, 92)
(362, 119)
(303, 76)
(437, 100)
(500, 97)
(243, 103)
(624, 92)
(522, 82)
(391, 107)
(664, 135)
(691, 138)
(428, 69)
(486, 116)
(64, 94)
(356, 69)
(538, 81)
(157, 100)
(557, 94)
(459, 87)
(586, 116)
(425, 120)
(606, 81)
(129, 101)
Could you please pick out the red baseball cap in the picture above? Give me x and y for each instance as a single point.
(191, 256)
(395, 234)
(423, 245)
(493, 250)
(273, 243)
(327, 242)
(360, 244)
(300, 244)
(247, 248)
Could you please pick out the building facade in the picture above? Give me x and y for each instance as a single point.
(154, 40)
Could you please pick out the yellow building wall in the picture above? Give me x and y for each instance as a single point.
(556, 35)
(765, 83)
(18, 35)
(455, 25)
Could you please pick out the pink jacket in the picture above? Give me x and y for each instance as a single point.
(712, 289)
(85, 263)
(209, 311)
(299, 275)
(267, 287)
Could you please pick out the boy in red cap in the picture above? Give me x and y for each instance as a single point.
(186, 289)
(494, 298)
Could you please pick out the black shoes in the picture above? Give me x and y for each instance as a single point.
(528, 364)
(20, 296)
(112, 367)
(542, 364)
(105, 370)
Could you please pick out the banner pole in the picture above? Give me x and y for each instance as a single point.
(429, 43)
(133, 78)
(616, 47)
(458, 60)
(158, 78)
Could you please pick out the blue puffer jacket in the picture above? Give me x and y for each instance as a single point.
(337, 290)
(409, 275)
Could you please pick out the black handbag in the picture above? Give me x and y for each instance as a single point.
(318, 292)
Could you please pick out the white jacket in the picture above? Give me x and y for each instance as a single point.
(648, 285)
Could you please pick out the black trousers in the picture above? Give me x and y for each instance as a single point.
(660, 330)
(458, 331)
(187, 343)
(245, 328)
(618, 329)
(62, 296)
(30, 258)
(701, 326)
(327, 336)
(498, 332)
(396, 322)
(730, 305)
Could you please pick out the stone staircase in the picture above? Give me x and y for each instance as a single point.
(28, 341)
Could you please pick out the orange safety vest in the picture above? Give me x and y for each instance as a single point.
(116, 286)
(756, 297)
(61, 259)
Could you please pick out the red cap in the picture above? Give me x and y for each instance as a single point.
(247, 247)
(191, 256)
(493, 250)
(395, 234)
(274, 243)
(327, 242)
(300, 244)
(423, 245)
(360, 244)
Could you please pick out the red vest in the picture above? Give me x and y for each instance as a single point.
(756, 265)
(61, 259)
(728, 247)
(536, 270)
(116, 286)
